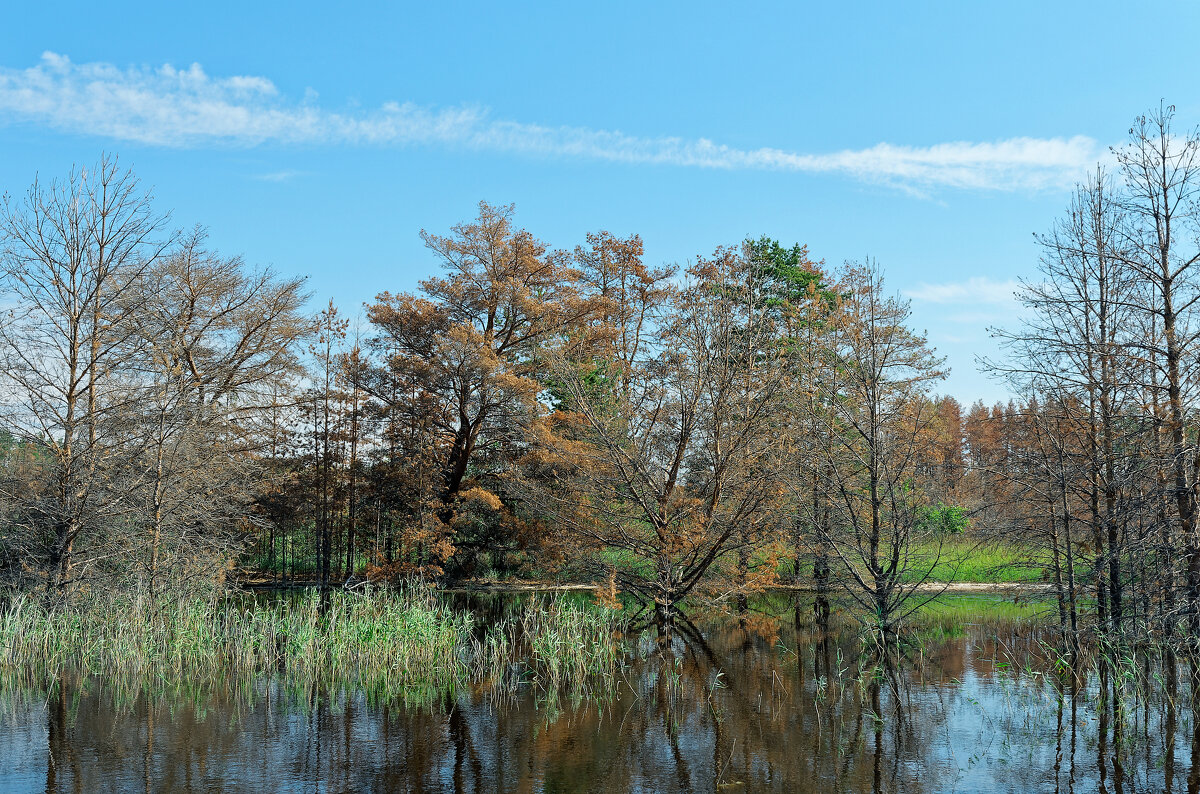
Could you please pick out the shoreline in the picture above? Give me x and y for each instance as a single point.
(518, 586)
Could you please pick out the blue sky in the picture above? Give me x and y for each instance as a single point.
(934, 138)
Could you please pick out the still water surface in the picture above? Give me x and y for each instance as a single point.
(757, 703)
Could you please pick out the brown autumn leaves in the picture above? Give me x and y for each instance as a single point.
(530, 411)
(664, 431)
(167, 412)
(661, 430)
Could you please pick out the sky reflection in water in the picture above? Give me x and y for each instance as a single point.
(757, 704)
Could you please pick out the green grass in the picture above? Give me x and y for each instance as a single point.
(958, 558)
(405, 644)
(258, 561)
(963, 609)
(963, 558)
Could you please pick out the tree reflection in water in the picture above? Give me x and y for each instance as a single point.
(759, 701)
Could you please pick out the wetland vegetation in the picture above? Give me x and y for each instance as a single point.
(232, 530)
(975, 699)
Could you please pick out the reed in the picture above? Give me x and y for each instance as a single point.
(552, 643)
(405, 643)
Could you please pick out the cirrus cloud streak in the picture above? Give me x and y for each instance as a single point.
(975, 291)
(188, 108)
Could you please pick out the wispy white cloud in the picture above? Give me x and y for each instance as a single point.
(278, 176)
(959, 339)
(173, 107)
(975, 291)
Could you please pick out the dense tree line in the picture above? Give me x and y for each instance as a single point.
(171, 415)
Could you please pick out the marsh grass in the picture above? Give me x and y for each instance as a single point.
(955, 558)
(395, 645)
(552, 643)
(960, 558)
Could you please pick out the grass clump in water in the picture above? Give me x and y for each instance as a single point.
(553, 643)
(403, 643)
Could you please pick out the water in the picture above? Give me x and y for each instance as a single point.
(752, 704)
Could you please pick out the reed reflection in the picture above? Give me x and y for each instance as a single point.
(764, 699)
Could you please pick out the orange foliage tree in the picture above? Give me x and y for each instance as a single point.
(461, 365)
(659, 461)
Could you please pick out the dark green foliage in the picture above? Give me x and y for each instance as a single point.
(791, 277)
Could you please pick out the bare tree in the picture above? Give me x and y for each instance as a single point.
(1161, 245)
(74, 253)
(1077, 350)
(220, 346)
(874, 409)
